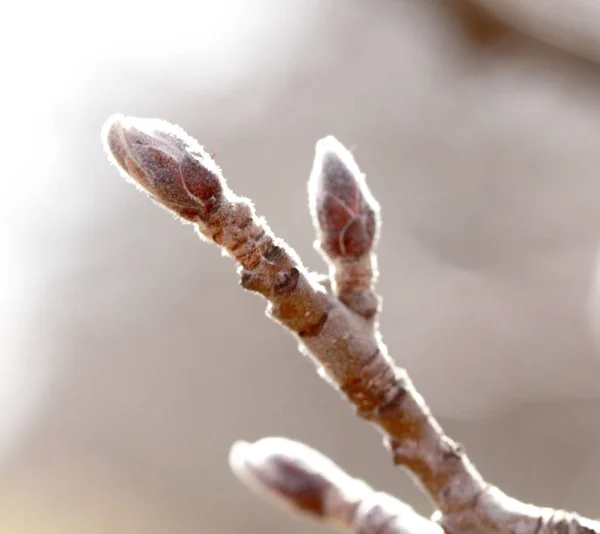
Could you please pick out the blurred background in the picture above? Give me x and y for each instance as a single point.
(130, 359)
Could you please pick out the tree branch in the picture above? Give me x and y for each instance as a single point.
(306, 482)
(346, 347)
(569, 25)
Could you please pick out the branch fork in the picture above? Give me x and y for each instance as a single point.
(338, 330)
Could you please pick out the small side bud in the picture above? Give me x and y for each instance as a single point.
(167, 163)
(298, 477)
(344, 212)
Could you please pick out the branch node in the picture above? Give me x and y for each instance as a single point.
(315, 329)
(286, 281)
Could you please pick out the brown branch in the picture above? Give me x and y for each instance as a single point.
(179, 175)
(569, 25)
(306, 482)
(478, 25)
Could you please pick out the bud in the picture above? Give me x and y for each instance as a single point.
(167, 163)
(343, 209)
(297, 476)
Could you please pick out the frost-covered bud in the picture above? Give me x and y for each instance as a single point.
(343, 209)
(167, 163)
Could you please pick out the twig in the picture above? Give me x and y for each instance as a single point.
(336, 333)
(346, 217)
(306, 482)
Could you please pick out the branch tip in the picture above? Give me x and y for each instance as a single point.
(346, 217)
(299, 477)
(287, 471)
(344, 211)
(307, 482)
(167, 163)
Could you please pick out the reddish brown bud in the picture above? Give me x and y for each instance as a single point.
(297, 476)
(344, 211)
(167, 163)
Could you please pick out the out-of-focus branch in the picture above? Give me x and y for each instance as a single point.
(343, 342)
(306, 482)
(478, 24)
(571, 25)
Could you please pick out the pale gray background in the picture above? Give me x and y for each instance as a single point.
(130, 359)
